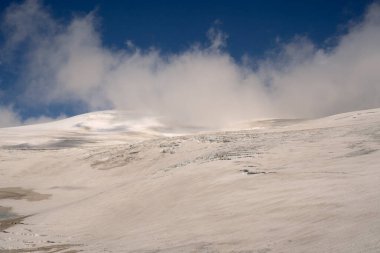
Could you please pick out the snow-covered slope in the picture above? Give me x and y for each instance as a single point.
(118, 182)
(102, 128)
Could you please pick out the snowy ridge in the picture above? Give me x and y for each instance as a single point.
(101, 121)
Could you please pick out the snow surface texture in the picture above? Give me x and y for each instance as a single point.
(117, 182)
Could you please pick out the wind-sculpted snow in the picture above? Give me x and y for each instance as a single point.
(260, 186)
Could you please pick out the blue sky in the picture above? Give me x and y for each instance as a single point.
(253, 27)
(249, 35)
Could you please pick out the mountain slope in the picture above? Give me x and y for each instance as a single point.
(113, 186)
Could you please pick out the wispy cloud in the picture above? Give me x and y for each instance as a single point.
(9, 117)
(203, 85)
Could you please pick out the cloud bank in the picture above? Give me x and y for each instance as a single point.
(202, 86)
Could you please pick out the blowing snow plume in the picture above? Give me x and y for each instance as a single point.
(202, 86)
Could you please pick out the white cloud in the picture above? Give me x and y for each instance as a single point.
(10, 117)
(203, 85)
